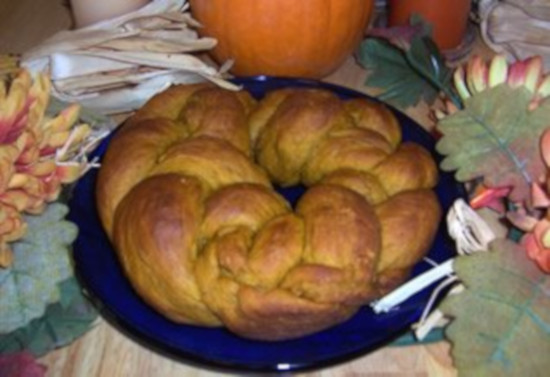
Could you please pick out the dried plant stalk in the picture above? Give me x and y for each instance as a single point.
(114, 66)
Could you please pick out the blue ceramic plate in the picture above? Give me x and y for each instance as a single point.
(100, 272)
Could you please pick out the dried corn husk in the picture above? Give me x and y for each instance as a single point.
(518, 28)
(115, 65)
(9, 65)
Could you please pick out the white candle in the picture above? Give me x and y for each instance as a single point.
(88, 12)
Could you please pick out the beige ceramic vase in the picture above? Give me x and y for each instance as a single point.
(87, 12)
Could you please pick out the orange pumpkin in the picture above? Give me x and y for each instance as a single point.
(295, 38)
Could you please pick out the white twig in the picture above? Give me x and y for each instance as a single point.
(435, 318)
(412, 287)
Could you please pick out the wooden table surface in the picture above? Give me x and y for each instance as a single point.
(106, 352)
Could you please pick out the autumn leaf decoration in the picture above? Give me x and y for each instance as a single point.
(38, 153)
(501, 138)
(497, 139)
(42, 148)
(405, 65)
(501, 321)
(496, 135)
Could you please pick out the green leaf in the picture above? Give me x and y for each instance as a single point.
(425, 58)
(501, 321)
(63, 322)
(41, 261)
(496, 138)
(401, 86)
(405, 76)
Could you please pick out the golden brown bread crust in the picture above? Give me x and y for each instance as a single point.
(205, 239)
(158, 219)
(409, 221)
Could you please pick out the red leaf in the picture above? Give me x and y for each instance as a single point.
(21, 364)
(490, 197)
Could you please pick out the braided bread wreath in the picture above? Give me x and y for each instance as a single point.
(185, 195)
